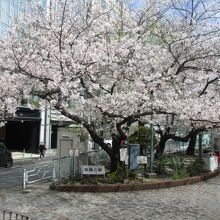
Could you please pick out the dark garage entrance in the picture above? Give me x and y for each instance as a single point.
(22, 135)
(22, 132)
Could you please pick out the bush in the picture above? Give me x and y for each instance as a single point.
(181, 174)
(142, 136)
(89, 180)
(196, 168)
(130, 175)
(177, 165)
(174, 164)
(116, 176)
(160, 165)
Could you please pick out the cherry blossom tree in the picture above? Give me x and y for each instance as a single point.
(111, 67)
(195, 50)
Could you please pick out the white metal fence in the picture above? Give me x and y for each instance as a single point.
(65, 167)
(68, 166)
(37, 174)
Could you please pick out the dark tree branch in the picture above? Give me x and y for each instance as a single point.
(207, 84)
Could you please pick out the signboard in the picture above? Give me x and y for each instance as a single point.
(92, 170)
(124, 155)
(141, 159)
(134, 152)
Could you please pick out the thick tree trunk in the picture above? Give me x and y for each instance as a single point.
(192, 143)
(115, 162)
(165, 137)
(115, 156)
(161, 147)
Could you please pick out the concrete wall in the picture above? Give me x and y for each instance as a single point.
(69, 142)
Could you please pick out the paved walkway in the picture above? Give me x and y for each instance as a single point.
(199, 201)
(20, 158)
(23, 155)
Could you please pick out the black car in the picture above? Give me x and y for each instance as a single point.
(5, 156)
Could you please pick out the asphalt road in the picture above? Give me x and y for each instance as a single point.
(13, 177)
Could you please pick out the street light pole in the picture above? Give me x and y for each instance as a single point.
(152, 137)
(45, 125)
(151, 145)
(200, 144)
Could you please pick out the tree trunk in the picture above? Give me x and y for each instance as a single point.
(165, 137)
(115, 162)
(115, 156)
(192, 143)
(161, 147)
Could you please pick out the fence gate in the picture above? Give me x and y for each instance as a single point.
(38, 173)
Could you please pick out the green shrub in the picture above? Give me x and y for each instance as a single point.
(93, 180)
(142, 136)
(181, 174)
(176, 163)
(130, 175)
(116, 176)
(196, 168)
(160, 165)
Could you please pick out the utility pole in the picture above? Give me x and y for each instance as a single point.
(151, 145)
(152, 136)
(45, 124)
(200, 144)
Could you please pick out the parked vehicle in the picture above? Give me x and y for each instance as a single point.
(5, 156)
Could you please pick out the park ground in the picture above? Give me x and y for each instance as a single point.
(198, 201)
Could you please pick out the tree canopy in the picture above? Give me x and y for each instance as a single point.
(114, 64)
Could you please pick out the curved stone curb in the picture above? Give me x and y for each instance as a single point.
(134, 186)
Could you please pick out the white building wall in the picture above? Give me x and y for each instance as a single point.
(68, 142)
(45, 128)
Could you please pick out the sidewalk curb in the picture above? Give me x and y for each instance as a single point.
(17, 162)
(36, 161)
(133, 187)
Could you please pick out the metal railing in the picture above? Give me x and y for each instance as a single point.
(8, 214)
(65, 167)
(37, 174)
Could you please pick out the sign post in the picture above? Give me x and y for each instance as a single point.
(142, 160)
(124, 159)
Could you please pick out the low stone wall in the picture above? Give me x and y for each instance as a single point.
(133, 187)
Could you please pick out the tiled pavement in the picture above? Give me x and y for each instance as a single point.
(21, 158)
(25, 156)
(199, 201)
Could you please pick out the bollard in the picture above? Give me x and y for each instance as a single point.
(24, 178)
(23, 155)
(54, 171)
(4, 213)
